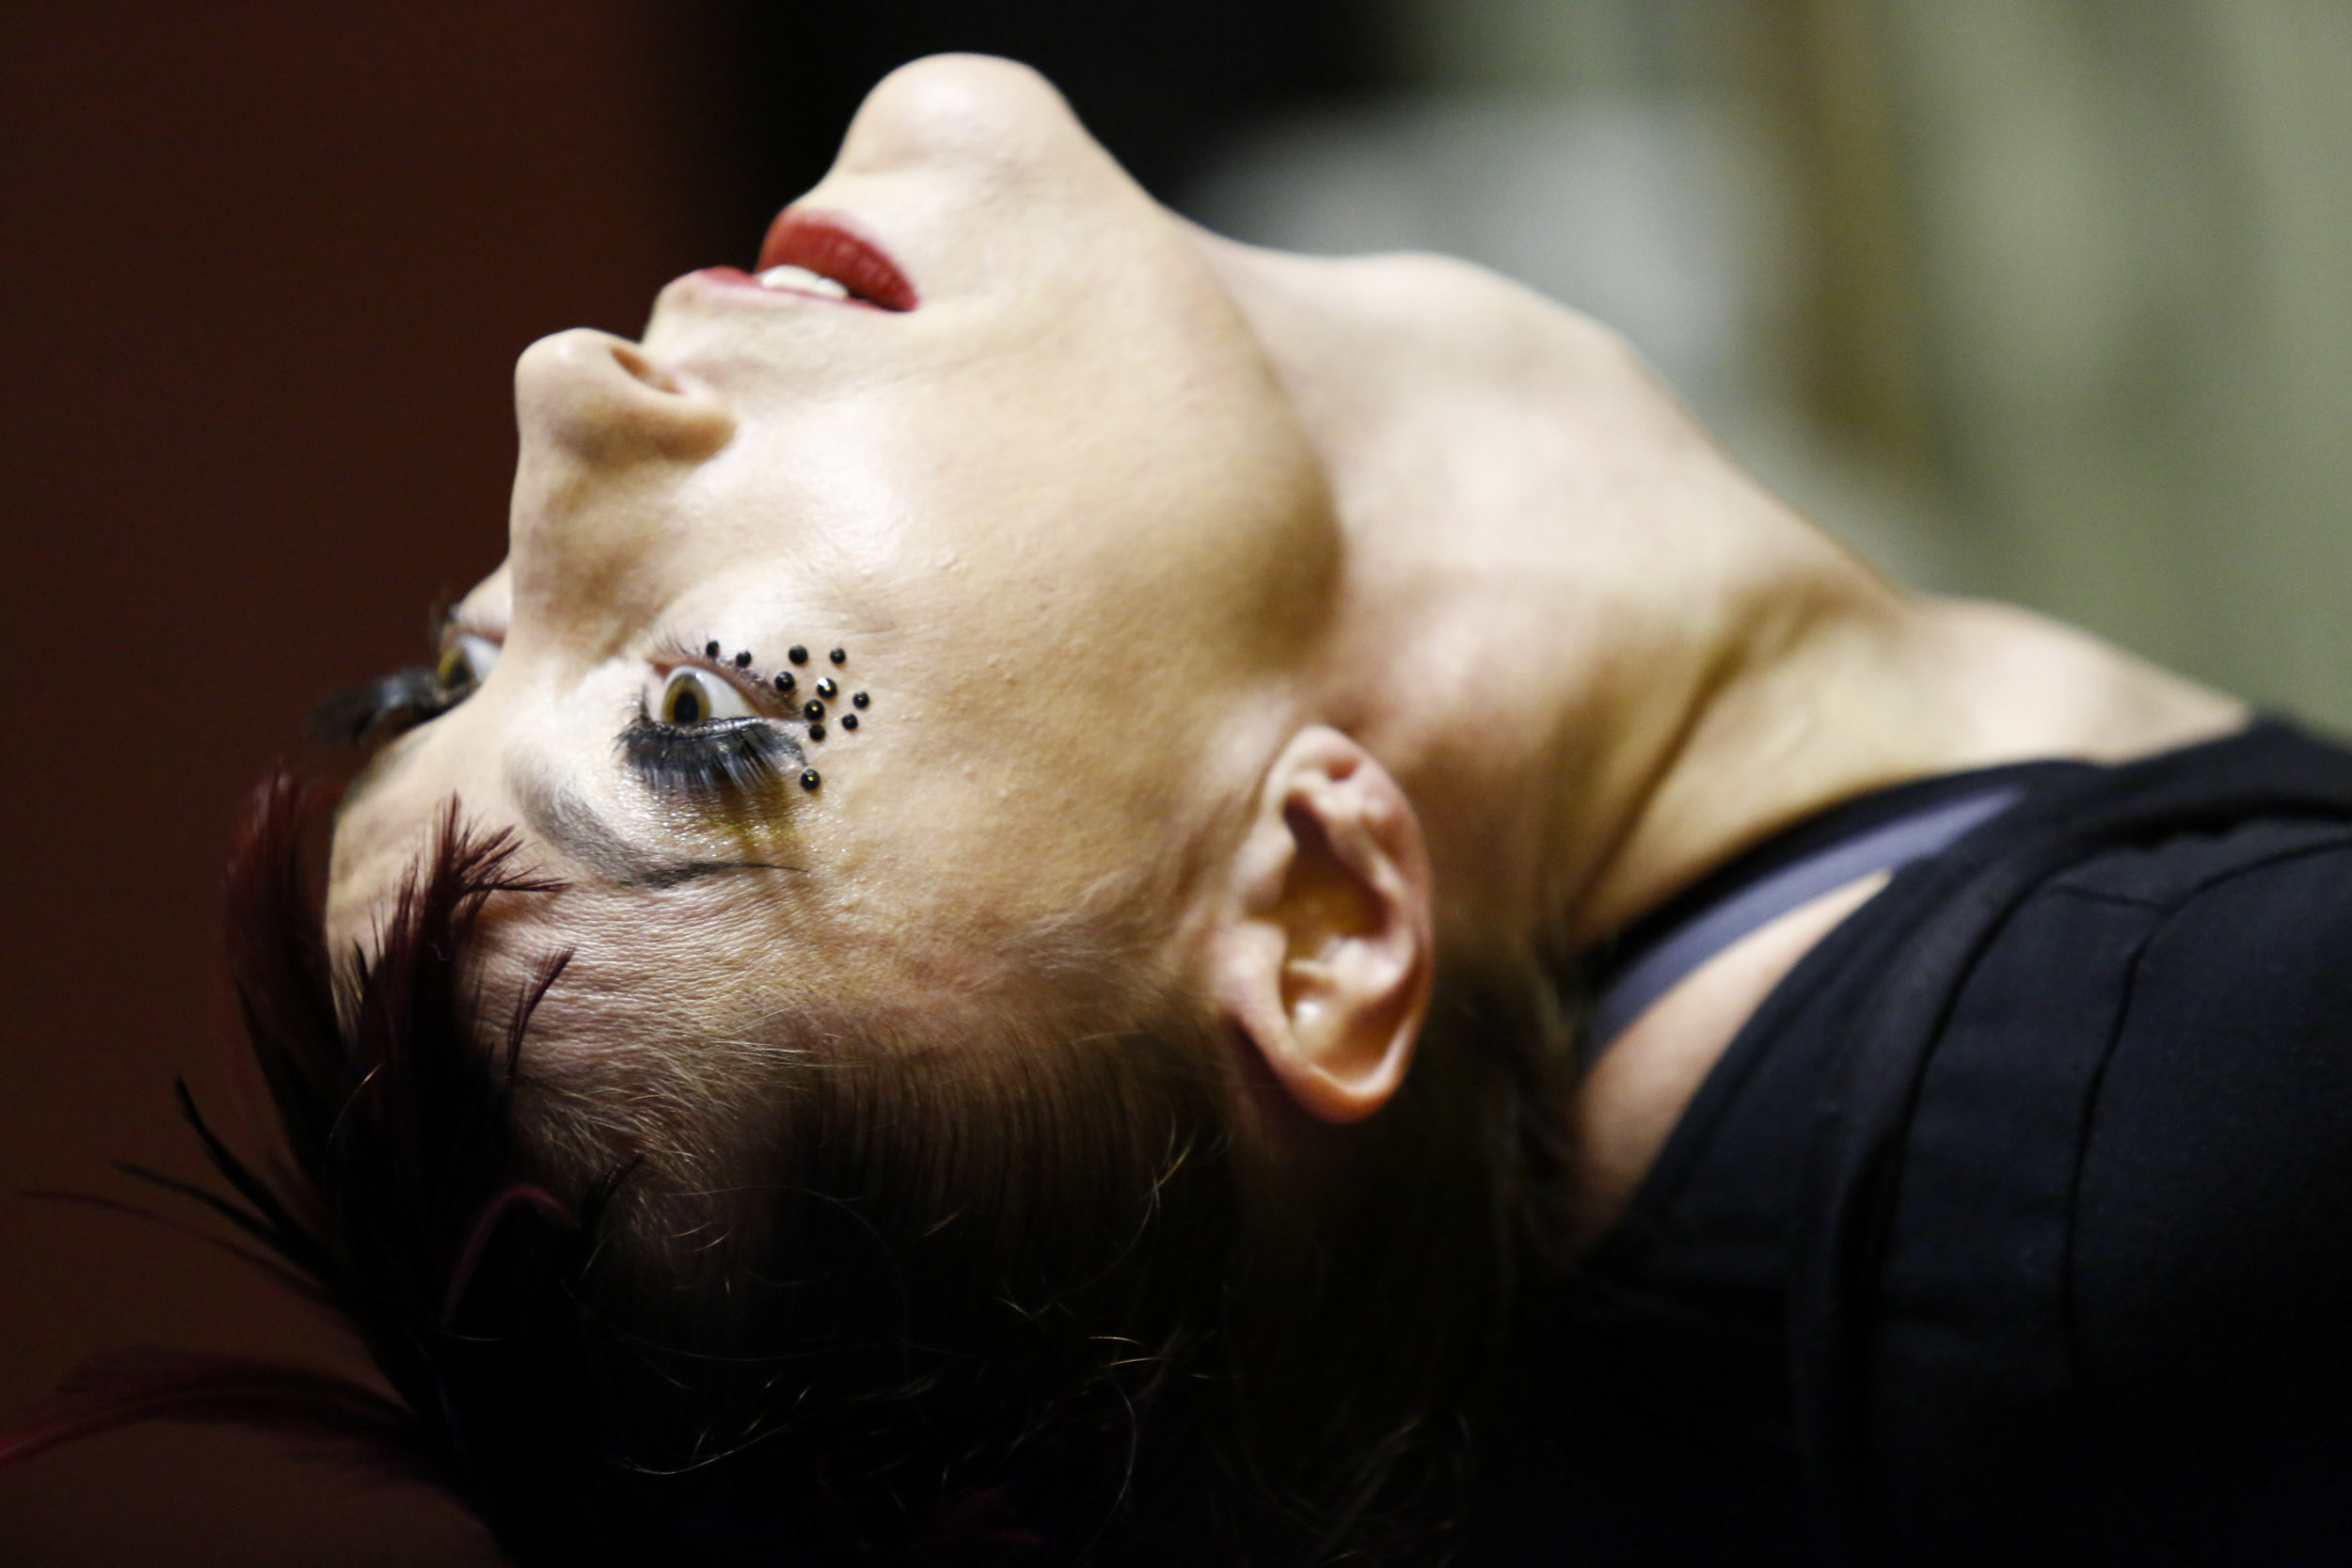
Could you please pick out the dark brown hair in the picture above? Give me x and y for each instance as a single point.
(1028, 1292)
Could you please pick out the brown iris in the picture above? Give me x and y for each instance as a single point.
(684, 700)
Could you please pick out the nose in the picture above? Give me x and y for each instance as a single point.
(597, 398)
(607, 434)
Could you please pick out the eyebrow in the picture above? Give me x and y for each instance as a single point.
(558, 815)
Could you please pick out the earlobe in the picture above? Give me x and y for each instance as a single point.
(1324, 945)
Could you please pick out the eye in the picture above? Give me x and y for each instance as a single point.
(692, 696)
(467, 662)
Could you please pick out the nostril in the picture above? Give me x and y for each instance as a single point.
(643, 369)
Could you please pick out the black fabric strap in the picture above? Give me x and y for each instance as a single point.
(1643, 977)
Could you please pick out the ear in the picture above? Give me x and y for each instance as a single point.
(1324, 946)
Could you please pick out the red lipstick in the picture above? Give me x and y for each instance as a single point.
(829, 245)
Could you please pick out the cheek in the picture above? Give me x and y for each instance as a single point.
(711, 977)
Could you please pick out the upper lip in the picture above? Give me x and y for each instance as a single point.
(830, 244)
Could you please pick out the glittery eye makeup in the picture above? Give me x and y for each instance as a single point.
(697, 733)
(708, 725)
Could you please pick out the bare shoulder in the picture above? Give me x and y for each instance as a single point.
(2032, 686)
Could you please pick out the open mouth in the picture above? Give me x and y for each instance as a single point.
(821, 254)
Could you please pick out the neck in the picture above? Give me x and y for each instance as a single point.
(1602, 663)
(1581, 755)
(1600, 660)
(1582, 746)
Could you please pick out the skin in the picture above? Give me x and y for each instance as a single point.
(1297, 621)
(1059, 516)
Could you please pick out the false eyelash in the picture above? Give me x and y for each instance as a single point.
(728, 756)
(383, 708)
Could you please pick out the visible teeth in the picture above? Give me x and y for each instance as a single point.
(803, 281)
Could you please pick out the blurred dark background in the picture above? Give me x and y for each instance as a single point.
(2051, 299)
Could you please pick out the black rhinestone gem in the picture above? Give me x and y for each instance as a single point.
(743, 660)
(710, 650)
(859, 699)
(848, 720)
(839, 656)
(829, 688)
(796, 654)
(813, 710)
(784, 680)
(809, 779)
(817, 731)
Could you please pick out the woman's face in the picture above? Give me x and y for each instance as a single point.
(1056, 516)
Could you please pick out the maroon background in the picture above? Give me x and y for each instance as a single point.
(268, 265)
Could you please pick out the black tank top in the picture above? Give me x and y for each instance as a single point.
(2016, 1224)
